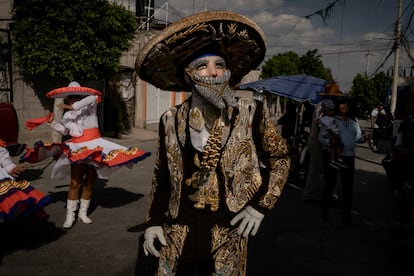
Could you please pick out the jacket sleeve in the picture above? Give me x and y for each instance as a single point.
(161, 189)
(59, 128)
(359, 138)
(5, 161)
(274, 157)
(87, 101)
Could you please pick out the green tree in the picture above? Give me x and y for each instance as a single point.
(366, 92)
(363, 94)
(57, 41)
(382, 83)
(281, 64)
(70, 39)
(312, 65)
(290, 63)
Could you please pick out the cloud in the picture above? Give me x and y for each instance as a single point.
(288, 32)
(374, 36)
(354, 44)
(240, 6)
(181, 8)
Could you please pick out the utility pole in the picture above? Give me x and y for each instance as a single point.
(148, 14)
(367, 66)
(205, 5)
(395, 77)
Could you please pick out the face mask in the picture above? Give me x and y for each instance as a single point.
(215, 90)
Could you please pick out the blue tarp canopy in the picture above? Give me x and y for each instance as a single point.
(300, 88)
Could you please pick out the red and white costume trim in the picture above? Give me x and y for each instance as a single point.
(86, 144)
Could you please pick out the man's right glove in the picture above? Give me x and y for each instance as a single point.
(152, 233)
(250, 221)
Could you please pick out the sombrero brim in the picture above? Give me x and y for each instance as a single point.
(63, 92)
(239, 40)
(332, 90)
(335, 94)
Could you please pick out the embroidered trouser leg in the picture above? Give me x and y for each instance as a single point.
(187, 252)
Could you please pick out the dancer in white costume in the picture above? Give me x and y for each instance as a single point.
(86, 156)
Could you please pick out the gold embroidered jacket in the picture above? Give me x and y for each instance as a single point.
(252, 168)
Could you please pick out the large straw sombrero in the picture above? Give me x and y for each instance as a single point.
(236, 38)
(331, 90)
(73, 88)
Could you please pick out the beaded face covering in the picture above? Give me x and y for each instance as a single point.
(214, 89)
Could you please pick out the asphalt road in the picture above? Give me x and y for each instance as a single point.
(293, 240)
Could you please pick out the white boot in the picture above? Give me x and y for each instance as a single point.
(71, 207)
(83, 211)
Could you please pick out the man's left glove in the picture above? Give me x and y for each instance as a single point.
(250, 221)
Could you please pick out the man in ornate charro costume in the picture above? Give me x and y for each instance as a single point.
(221, 165)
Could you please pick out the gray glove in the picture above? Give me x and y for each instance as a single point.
(152, 233)
(250, 221)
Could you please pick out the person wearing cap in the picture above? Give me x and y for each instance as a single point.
(350, 133)
(329, 135)
(221, 164)
(86, 156)
(381, 123)
(379, 108)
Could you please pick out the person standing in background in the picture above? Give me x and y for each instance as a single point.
(329, 134)
(315, 178)
(350, 133)
(381, 124)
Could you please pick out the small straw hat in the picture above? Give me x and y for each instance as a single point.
(331, 89)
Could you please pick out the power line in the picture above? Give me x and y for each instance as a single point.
(340, 36)
(335, 53)
(323, 13)
(383, 61)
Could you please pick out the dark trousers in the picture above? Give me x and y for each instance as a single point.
(197, 257)
(347, 181)
(383, 133)
(407, 204)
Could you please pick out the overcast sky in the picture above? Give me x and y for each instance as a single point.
(355, 37)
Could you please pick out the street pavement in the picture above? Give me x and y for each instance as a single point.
(293, 239)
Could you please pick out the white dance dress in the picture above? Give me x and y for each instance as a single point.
(85, 146)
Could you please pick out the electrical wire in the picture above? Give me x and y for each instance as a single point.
(382, 62)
